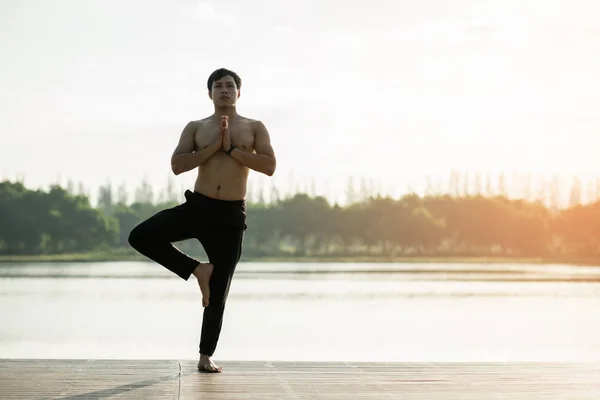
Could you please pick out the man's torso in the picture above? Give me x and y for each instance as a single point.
(221, 176)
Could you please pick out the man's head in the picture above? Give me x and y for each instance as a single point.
(224, 87)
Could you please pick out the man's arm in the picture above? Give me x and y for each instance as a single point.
(264, 160)
(184, 157)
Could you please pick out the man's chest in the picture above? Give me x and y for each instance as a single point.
(241, 135)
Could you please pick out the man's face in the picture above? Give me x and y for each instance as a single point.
(224, 92)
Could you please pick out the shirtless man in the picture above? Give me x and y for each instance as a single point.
(223, 147)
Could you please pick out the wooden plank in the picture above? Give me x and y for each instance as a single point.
(172, 379)
(81, 379)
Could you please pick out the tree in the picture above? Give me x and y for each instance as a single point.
(575, 195)
(105, 198)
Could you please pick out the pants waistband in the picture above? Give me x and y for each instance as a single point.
(220, 203)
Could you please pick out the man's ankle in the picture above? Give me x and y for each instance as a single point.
(196, 271)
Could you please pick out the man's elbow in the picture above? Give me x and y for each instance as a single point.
(270, 170)
(177, 168)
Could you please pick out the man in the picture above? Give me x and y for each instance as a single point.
(223, 147)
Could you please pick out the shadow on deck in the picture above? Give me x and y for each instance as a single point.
(172, 379)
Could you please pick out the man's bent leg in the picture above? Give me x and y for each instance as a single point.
(154, 237)
(224, 249)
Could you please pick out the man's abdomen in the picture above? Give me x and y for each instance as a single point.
(222, 177)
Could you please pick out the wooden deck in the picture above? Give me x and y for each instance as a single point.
(132, 379)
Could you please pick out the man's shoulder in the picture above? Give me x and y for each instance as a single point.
(198, 124)
(243, 118)
(253, 122)
(202, 121)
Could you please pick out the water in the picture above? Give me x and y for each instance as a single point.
(316, 312)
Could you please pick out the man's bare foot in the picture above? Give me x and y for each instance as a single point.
(203, 272)
(207, 365)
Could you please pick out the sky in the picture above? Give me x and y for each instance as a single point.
(393, 90)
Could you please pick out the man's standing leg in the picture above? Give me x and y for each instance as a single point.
(224, 248)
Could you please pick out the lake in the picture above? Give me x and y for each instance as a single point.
(305, 312)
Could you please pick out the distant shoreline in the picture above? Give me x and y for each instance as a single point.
(116, 256)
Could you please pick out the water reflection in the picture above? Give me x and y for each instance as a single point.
(296, 271)
(303, 312)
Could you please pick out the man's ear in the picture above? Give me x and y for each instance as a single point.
(210, 94)
(239, 93)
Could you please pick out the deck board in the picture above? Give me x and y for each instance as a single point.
(174, 379)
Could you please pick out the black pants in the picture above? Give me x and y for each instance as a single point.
(219, 225)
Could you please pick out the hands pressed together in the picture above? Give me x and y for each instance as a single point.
(225, 137)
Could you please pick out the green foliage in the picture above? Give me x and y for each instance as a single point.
(35, 222)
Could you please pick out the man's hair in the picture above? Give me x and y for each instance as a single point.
(220, 73)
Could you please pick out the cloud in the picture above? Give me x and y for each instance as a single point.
(283, 30)
(207, 12)
(346, 40)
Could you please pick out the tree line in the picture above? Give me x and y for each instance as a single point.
(467, 223)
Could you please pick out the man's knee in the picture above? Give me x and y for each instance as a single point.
(137, 237)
